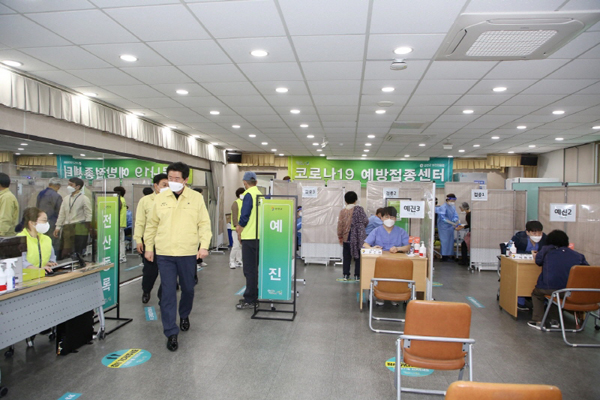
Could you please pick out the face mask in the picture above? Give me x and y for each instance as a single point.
(389, 223)
(535, 239)
(71, 189)
(300, 214)
(349, 206)
(452, 205)
(42, 228)
(241, 197)
(163, 189)
(175, 186)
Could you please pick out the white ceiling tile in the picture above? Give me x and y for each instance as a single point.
(337, 112)
(271, 71)
(324, 71)
(335, 100)
(214, 73)
(291, 101)
(400, 87)
(191, 52)
(513, 110)
(30, 64)
(474, 100)
(512, 86)
(133, 91)
(580, 69)
(84, 27)
(6, 10)
(346, 87)
(158, 102)
(203, 101)
(105, 76)
(68, 57)
(594, 89)
(392, 16)
(424, 46)
(294, 87)
(43, 6)
(531, 100)
(331, 17)
(130, 3)
(245, 111)
(584, 100)
(579, 45)
(397, 100)
(433, 100)
(239, 18)
(438, 87)
(62, 78)
(111, 53)
(103, 94)
(334, 120)
(381, 70)
(480, 6)
(528, 69)
(159, 23)
(241, 101)
(230, 88)
(124, 104)
(239, 49)
(170, 89)
(157, 75)
(330, 48)
(459, 69)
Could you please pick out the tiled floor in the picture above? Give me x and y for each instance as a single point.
(328, 352)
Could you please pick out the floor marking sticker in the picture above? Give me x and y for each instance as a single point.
(126, 358)
(134, 267)
(69, 396)
(437, 284)
(475, 302)
(241, 291)
(406, 369)
(150, 314)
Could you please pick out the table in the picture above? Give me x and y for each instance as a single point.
(517, 279)
(367, 270)
(41, 304)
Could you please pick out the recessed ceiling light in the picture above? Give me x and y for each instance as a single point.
(596, 127)
(90, 94)
(322, 155)
(235, 126)
(182, 92)
(24, 144)
(450, 156)
(215, 112)
(380, 112)
(558, 112)
(17, 154)
(476, 145)
(367, 144)
(387, 89)
(468, 111)
(522, 127)
(128, 58)
(461, 151)
(252, 135)
(215, 143)
(422, 145)
(532, 146)
(281, 154)
(364, 155)
(281, 90)
(82, 155)
(407, 155)
(273, 149)
(310, 136)
(265, 143)
(366, 150)
(371, 136)
(495, 137)
(511, 152)
(21, 149)
(259, 53)
(295, 111)
(12, 63)
(303, 125)
(403, 50)
(499, 89)
(315, 144)
(559, 139)
(51, 153)
(319, 150)
(139, 114)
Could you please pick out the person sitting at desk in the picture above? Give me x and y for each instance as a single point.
(375, 221)
(40, 253)
(556, 260)
(531, 239)
(388, 237)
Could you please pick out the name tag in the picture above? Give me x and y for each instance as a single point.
(371, 251)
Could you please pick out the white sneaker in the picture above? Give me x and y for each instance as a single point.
(379, 303)
(232, 265)
(239, 264)
(203, 264)
(395, 303)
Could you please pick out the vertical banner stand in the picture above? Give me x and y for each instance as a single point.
(277, 234)
(218, 247)
(107, 219)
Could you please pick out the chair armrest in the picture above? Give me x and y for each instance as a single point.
(567, 290)
(437, 339)
(391, 280)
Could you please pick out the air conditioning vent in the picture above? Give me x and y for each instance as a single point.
(512, 36)
(410, 125)
(407, 138)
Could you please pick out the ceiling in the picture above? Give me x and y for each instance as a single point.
(334, 57)
(21, 146)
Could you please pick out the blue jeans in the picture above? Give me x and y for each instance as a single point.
(170, 268)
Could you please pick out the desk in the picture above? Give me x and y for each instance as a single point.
(47, 302)
(517, 279)
(367, 270)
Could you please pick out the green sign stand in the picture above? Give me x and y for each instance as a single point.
(276, 226)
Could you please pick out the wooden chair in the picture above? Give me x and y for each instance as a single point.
(501, 391)
(436, 336)
(581, 294)
(392, 281)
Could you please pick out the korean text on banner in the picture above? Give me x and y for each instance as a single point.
(108, 246)
(276, 249)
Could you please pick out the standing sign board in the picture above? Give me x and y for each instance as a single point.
(108, 246)
(276, 228)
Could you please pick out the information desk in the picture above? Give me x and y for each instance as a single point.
(367, 271)
(43, 303)
(517, 279)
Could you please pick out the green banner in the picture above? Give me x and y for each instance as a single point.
(276, 248)
(108, 246)
(69, 167)
(438, 170)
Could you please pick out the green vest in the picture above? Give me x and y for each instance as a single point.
(123, 213)
(249, 232)
(33, 250)
(239, 203)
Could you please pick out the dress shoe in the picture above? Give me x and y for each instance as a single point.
(184, 324)
(172, 343)
(145, 298)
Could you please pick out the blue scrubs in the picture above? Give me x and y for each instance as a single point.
(446, 230)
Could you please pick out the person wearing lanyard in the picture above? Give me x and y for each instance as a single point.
(73, 220)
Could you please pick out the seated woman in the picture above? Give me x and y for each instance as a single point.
(40, 253)
(388, 237)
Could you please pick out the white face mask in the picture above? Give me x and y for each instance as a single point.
(241, 197)
(175, 186)
(300, 214)
(71, 189)
(42, 228)
(389, 222)
(535, 239)
(162, 189)
(452, 205)
(349, 206)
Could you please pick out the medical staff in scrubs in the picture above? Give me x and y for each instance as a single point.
(447, 222)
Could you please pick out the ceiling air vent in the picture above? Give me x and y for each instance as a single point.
(513, 36)
(410, 125)
(407, 138)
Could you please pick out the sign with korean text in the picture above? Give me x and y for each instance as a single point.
(412, 209)
(309, 192)
(307, 168)
(479, 195)
(560, 212)
(276, 225)
(108, 246)
(390, 193)
(371, 250)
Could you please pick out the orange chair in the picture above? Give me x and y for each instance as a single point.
(436, 336)
(501, 391)
(392, 281)
(581, 294)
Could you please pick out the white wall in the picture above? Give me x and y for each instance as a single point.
(575, 164)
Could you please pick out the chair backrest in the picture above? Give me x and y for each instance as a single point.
(437, 318)
(465, 390)
(393, 268)
(503, 248)
(584, 276)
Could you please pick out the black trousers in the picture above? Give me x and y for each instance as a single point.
(250, 260)
(149, 274)
(464, 253)
(348, 260)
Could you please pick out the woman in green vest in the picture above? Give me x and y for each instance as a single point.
(40, 253)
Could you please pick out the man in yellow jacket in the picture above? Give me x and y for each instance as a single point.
(178, 224)
(9, 208)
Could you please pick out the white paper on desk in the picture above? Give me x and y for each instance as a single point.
(371, 251)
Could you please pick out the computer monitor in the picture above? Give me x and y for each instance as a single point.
(12, 246)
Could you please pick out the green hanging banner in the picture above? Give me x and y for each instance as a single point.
(276, 225)
(108, 246)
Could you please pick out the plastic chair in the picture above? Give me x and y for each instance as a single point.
(581, 294)
(436, 336)
(496, 391)
(392, 281)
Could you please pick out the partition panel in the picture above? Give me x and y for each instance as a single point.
(546, 196)
(520, 210)
(583, 232)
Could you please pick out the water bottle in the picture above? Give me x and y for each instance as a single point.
(2, 281)
(513, 249)
(508, 246)
(10, 277)
(422, 251)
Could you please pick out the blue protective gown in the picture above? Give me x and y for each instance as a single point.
(446, 215)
